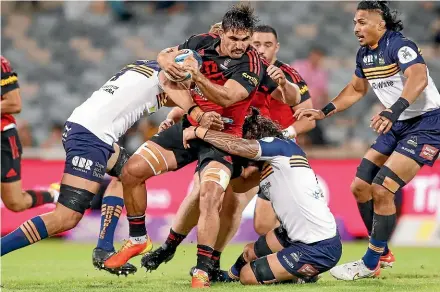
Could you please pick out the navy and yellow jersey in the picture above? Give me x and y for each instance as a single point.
(384, 68)
(290, 184)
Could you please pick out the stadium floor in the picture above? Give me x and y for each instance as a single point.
(57, 265)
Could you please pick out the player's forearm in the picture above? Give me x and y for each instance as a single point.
(347, 97)
(229, 143)
(289, 94)
(303, 126)
(11, 104)
(176, 114)
(218, 94)
(178, 93)
(414, 86)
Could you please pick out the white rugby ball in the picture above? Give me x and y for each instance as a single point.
(181, 59)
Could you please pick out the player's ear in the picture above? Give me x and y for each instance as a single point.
(382, 25)
(277, 48)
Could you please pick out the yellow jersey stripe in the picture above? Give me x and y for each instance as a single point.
(381, 68)
(368, 74)
(383, 76)
(266, 171)
(266, 175)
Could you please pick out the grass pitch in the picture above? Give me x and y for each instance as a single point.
(57, 265)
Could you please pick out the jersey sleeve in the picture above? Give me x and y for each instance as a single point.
(358, 71)
(9, 77)
(249, 72)
(195, 42)
(293, 76)
(405, 53)
(272, 147)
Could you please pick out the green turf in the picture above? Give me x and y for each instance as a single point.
(60, 266)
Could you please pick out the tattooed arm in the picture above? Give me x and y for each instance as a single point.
(236, 146)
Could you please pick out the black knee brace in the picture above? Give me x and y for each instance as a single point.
(389, 180)
(367, 170)
(261, 248)
(262, 270)
(123, 157)
(74, 198)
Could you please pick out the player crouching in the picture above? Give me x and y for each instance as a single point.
(307, 243)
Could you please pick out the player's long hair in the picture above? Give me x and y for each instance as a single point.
(390, 17)
(239, 17)
(256, 126)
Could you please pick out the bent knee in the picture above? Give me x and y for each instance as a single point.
(247, 276)
(65, 219)
(381, 194)
(135, 171)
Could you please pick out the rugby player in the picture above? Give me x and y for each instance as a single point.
(265, 42)
(307, 243)
(230, 74)
(89, 138)
(14, 198)
(409, 127)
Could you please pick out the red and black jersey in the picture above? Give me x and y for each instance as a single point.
(9, 82)
(275, 109)
(246, 70)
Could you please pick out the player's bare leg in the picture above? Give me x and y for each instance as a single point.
(362, 190)
(149, 160)
(396, 172)
(75, 196)
(17, 200)
(185, 220)
(265, 218)
(214, 181)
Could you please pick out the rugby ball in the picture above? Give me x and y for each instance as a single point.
(183, 59)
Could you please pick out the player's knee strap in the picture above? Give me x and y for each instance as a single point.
(216, 175)
(74, 198)
(261, 248)
(367, 170)
(389, 180)
(122, 159)
(262, 270)
(153, 157)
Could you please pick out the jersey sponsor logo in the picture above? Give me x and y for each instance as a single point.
(264, 189)
(99, 170)
(303, 89)
(296, 256)
(382, 84)
(65, 133)
(197, 91)
(81, 164)
(110, 88)
(412, 151)
(406, 55)
(9, 80)
(428, 152)
(251, 79)
(368, 60)
(289, 263)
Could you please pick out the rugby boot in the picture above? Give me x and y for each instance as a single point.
(99, 256)
(387, 261)
(128, 251)
(152, 260)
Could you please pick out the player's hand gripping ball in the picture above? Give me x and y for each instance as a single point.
(185, 58)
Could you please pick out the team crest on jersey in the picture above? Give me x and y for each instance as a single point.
(381, 59)
(197, 91)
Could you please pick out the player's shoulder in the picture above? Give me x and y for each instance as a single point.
(398, 43)
(285, 67)
(280, 147)
(205, 38)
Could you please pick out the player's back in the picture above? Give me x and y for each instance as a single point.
(121, 101)
(291, 185)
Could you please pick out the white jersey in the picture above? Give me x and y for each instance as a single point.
(292, 187)
(384, 69)
(121, 101)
